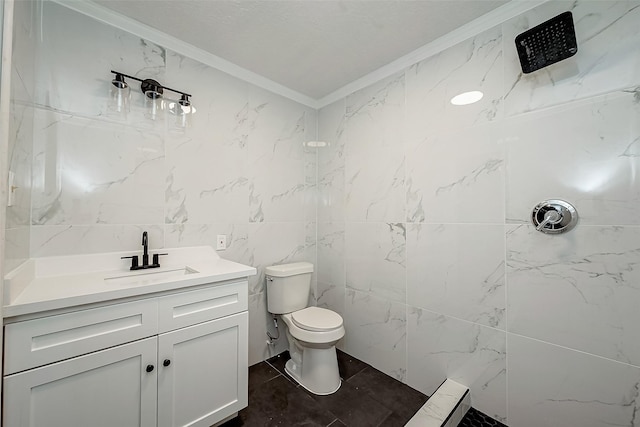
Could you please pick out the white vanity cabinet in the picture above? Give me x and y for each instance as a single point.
(173, 360)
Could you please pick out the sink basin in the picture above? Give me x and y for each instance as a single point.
(144, 277)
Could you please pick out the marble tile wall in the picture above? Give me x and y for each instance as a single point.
(17, 233)
(94, 180)
(424, 239)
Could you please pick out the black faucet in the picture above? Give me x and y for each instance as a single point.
(145, 245)
(145, 256)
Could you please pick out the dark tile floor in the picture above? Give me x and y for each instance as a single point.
(367, 397)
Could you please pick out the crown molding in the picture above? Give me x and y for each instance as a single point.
(471, 29)
(153, 35)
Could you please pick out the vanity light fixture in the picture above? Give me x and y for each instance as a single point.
(154, 97)
(467, 98)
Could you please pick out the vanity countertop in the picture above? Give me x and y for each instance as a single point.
(51, 283)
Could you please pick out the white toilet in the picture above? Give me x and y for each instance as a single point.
(312, 331)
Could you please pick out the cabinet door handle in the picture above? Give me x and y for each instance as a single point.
(166, 362)
(149, 368)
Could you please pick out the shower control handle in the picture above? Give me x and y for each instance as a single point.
(554, 216)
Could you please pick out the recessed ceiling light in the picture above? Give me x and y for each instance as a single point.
(315, 144)
(467, 98)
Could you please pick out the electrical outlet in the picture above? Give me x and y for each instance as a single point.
(221, 244)
(11, 197)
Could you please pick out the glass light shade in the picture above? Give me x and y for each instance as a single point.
(154, 105)
(119, 96)
(182, 111)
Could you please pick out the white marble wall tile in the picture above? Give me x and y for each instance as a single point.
(374, 162)
(331, 266)
(181, 235)
(331, 162)
(475, 64)
(331, 296)
(76, 59)
(20, 159)
(207, 177)
(375, 186)
(376, 332)
(271, 244)
(441, 347)
(587, 153)
(551, 386)
(579, 289)
(222, 112)
(375, 259)
(331, 253)
(20, 156)
(23, 55)
(207, 164)
(375, 116)
(90, 172)
(457, 177)
(311, 183)
(16, 247)
(57, 240)
(608, 39)
(260, 321)
(20, 143)
(278, 131)
(311, 255)
(458, 270)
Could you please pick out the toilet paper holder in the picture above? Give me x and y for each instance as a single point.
(554, 216)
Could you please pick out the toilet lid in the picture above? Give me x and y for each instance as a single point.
(316, 319)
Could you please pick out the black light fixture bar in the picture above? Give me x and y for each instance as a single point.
(118, 73)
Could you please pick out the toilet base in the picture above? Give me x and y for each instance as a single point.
(322, 378)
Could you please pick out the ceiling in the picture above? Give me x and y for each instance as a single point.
(313, 47)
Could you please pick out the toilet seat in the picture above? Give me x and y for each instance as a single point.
(316, 319)
(331, 329)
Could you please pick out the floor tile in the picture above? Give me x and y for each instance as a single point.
(394, 420)
(261, 373)
(353, 407)
(398, 397)
(367, 397)
(280, 403)
(349, 365)
(279, 361)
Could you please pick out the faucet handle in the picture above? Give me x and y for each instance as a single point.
(156, 263)
(134, 261)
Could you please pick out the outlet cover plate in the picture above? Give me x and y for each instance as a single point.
(221, 242)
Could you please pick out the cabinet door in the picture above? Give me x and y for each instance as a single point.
(205, 379)
(104, 389)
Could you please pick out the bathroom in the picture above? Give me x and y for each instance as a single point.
(415, 212)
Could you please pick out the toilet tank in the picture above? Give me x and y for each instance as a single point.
(288, 287)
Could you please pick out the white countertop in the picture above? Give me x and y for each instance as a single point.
(43, 284)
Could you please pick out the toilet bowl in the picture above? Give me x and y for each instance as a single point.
(312, 332)
(313, 363)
